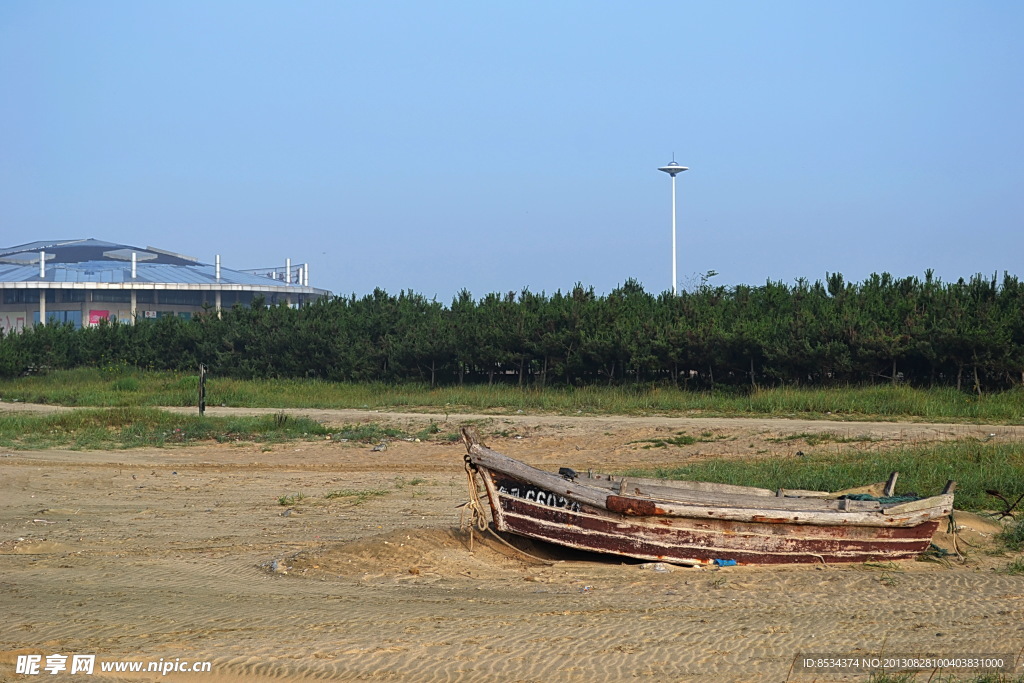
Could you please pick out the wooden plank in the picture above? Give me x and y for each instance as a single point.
(802, 493)
(711, 487)
(738, 500)
(614, 483)
(890, 486)
(945, 500)
(483, 456)
(872, 489)
(631, 507)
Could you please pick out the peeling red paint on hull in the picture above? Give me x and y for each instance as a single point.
(689, 541)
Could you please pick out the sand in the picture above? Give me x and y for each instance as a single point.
(188, 553)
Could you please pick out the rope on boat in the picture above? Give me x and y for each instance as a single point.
(478, 517)
(951, 530)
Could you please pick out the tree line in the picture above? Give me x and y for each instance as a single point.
(968, 334)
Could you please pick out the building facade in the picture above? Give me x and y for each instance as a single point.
(84, 281)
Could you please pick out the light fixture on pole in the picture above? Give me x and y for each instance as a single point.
(672, 169)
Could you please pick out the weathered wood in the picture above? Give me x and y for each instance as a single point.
(611, 482)
(900, 518)
(944, 501)
(690, 523)
(802, 493)
(202, 387)
(689, 541)
(710, 487)
(890, 486)
(872, 489)
(718, 506)
(740, 500)
(483, 456)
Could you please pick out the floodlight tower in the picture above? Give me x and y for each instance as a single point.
(672, 169)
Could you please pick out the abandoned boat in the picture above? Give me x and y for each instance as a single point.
(700, 523)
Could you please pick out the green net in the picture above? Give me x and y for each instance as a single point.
(882, 500)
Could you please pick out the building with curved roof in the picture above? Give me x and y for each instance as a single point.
(87, 280)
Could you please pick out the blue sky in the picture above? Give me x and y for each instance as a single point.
(494, 146)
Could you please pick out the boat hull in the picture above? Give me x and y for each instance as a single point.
(521, 507)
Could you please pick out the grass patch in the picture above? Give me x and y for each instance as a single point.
(130, 387)
(681, 439)
(974, 465)
(358, 497)
(401, 483)
(122, 384)
(115, 428)
(292, 499)
(1013, 536)
(818, 438)
(1015, 568)
(429, 431)
(367, 433)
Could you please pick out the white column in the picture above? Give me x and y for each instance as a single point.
(42, 292)
(674, 278)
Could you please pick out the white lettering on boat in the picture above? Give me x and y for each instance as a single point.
(537, 495)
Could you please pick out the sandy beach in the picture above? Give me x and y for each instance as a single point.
(328, 561)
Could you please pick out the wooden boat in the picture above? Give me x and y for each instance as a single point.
(699, 523)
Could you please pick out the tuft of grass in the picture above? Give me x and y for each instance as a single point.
(368, 433)
(976, 466)
(889, 579)
(681, 439)
(1015, 568)
(125, 384)
(359, 496)
(1013, 536)
(401, 483)
(430, 430)
(292, 499)
(818, 438)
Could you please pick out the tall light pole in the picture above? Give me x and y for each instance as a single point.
(672, 169)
